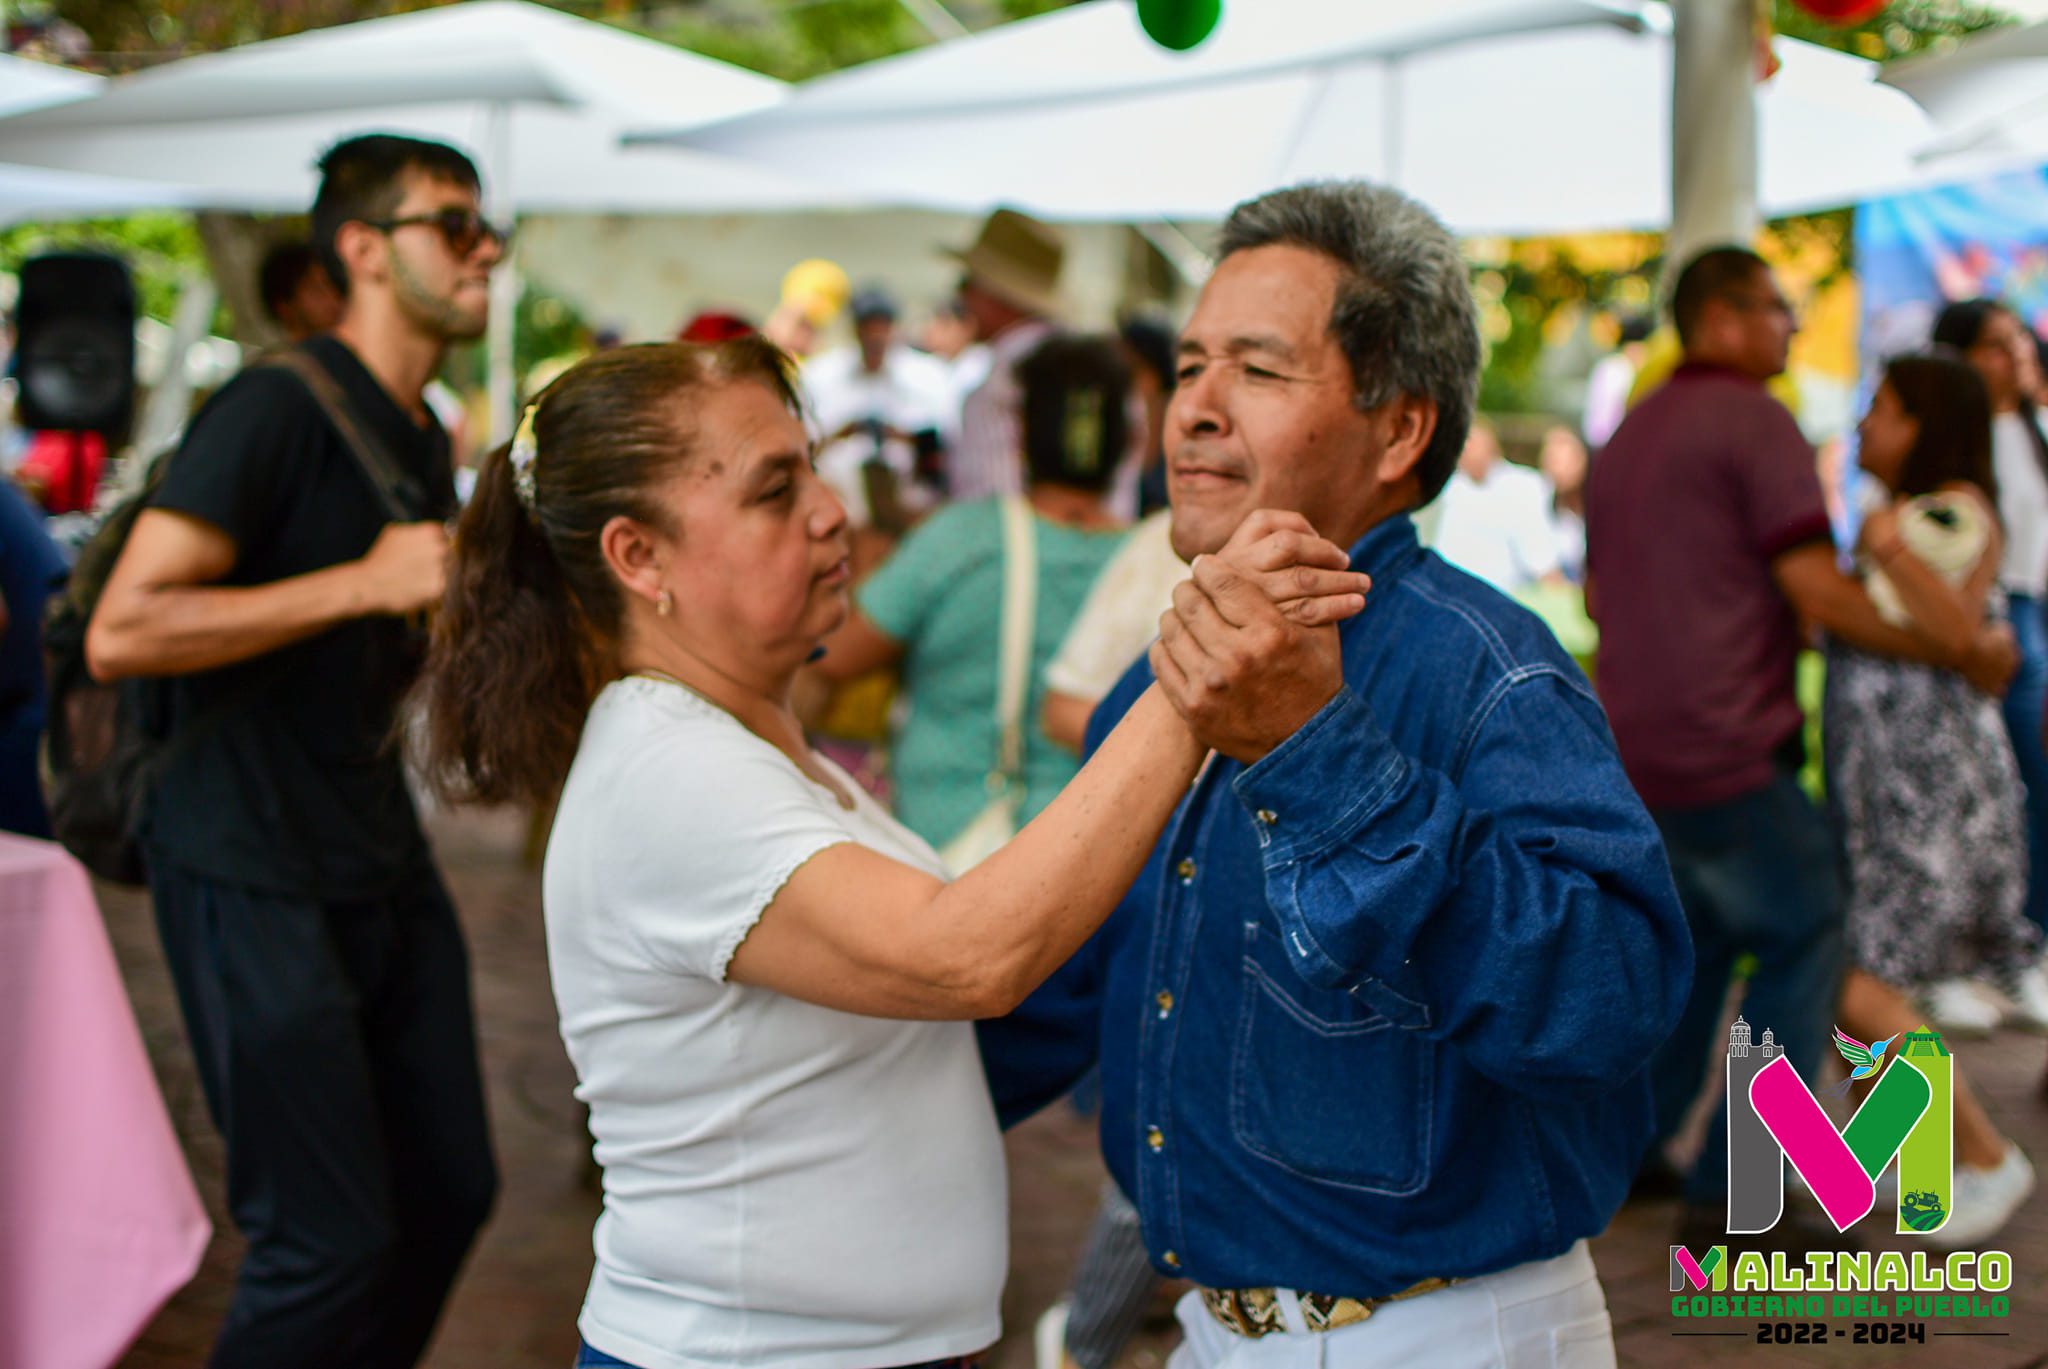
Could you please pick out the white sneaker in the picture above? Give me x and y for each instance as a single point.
(1049, 1337)
(2029, 995)
(1985, 1199)
(1962, 1007)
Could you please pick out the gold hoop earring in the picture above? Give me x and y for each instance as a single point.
(664, 603)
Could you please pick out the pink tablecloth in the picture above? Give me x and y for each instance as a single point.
(99, 1221)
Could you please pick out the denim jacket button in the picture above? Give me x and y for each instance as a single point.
(1164, 998)
(1171, 1260)
(1155, 1138)
(1186, 870)
(1267, 817)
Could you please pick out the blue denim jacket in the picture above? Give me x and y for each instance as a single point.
(1380, 1006)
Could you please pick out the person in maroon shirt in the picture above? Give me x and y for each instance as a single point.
(1707, 551)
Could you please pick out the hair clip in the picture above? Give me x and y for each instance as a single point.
(524, 449)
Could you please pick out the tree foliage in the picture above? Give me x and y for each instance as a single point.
(1903, 28)
(789, 39)
(125, 34)
(161, 248)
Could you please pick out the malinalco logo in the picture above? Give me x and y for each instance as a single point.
(1891, 1296)
(1774, 1117)
(1701, 1272)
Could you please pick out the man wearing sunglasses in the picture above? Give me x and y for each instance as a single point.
(267, 593)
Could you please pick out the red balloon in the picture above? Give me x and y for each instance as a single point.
(1841, 12)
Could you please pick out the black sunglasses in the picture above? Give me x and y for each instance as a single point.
(462, 229)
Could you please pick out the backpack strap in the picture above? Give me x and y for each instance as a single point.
(398, 492)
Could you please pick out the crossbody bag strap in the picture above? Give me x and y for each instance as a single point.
(399, 493)
(1020, 614)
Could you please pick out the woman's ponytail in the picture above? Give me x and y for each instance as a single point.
(509, 673)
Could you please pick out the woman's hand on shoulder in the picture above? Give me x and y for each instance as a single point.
(1879, 535)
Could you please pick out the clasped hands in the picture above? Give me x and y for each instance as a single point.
(1249, 652)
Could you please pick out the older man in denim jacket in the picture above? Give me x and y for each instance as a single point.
(1374, 1023)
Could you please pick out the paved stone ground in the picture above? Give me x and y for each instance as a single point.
(516, 1305)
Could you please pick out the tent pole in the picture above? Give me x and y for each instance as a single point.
(1183, 253)
(163, 417)
(1394, 76)
(1713, 127)
(503, 381)
(934, 18)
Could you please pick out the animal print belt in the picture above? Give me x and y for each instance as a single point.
(1255, 1312)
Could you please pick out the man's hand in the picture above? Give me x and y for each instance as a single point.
(1991, 661)
(1243, 674)
(406, 568)
(1307, 578)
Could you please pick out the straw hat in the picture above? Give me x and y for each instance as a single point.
(1017, 257)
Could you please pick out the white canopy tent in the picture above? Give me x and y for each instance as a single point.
(1988, 99)
(1506, 116)
(27, 85)
(539, 96)
(34, 192)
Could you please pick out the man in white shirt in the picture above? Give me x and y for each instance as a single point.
(1496, 518)
(877, 401)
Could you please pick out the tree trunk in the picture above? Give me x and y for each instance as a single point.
(235, 244)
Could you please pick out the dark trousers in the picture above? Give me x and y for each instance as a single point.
(1755, 874)
(337, 1050)
(21, 785)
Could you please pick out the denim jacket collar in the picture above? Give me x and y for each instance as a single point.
(1388, 548)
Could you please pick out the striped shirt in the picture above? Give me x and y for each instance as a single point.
(987, 460)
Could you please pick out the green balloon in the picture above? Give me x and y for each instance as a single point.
(1179, 24)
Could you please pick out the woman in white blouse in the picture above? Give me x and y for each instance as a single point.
(765, 983)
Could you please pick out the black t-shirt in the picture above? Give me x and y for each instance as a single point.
(300, 789)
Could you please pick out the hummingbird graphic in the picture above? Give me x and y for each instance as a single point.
(1864, 1060)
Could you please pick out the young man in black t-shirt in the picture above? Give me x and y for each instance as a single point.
(317, 958)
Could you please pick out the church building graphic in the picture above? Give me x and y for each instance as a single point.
(1756, 1166)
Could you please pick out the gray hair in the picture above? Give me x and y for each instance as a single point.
(1403, 315)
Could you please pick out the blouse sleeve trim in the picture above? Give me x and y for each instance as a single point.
(765, 893)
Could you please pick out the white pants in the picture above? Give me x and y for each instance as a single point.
(1551, 1314)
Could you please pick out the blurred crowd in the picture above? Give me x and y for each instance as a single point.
(1004, 479)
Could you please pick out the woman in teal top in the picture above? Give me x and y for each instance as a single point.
(935, 607)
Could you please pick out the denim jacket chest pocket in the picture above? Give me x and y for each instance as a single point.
(1324, 1086)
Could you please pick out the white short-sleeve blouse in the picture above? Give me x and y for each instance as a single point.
(784, 1184)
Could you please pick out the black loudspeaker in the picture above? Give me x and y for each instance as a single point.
(75, 344)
